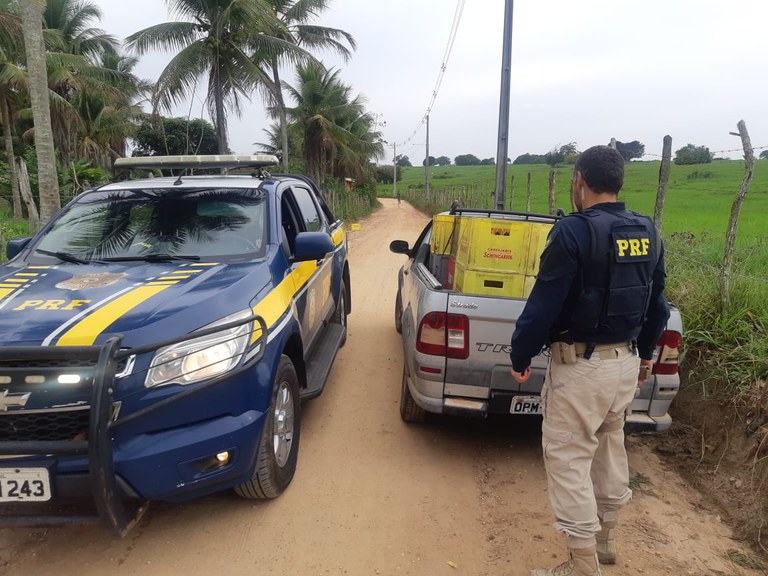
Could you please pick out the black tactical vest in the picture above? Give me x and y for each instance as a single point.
(616, 276)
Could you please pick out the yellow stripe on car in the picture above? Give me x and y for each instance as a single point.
(6, 291)
(338, 236)
(85, 333)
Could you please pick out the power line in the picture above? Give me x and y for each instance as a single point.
(717, 151)
(441, 74)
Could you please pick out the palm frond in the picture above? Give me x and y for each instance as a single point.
(182, 73)
(324, 37)
(169, 36)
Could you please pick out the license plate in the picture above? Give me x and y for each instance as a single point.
(525, 405)
(24, 485)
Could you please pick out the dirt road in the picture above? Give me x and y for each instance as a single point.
(374, 496)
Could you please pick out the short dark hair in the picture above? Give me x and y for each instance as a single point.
(602, 168)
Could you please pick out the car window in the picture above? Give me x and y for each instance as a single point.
(210, 222)
(308, 209)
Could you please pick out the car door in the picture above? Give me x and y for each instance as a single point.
(314, 301)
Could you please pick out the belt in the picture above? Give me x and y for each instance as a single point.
(612, 351)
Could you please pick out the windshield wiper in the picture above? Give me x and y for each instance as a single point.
(64, 256)
(153, 258)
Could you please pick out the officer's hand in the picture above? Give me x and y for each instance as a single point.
(646, 368)
(523, 376)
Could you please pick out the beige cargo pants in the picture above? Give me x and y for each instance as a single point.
(584, 406)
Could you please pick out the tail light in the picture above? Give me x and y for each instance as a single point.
(442, 334)
(669, 351)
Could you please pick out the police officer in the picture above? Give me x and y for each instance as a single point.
(599, 304)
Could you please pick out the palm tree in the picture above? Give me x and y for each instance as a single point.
(11, 76)
(81, 70)
(73, 19)
(216, 40)
(337, 132)
(296, 17)
(32, 27)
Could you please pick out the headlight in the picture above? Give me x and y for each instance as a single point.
(201, 358)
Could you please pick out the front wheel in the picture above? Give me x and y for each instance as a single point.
(340, 314)
(409, 410)
(399, 313)
(279, 444)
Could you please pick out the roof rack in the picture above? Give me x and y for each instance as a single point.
(195, 162)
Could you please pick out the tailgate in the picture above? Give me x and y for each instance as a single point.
(487, 371)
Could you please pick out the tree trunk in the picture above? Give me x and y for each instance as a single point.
(8, 137)
(661, 195)
(26, 193)
(730, 239)
(278, 93)
(220, 119)
(32, 25)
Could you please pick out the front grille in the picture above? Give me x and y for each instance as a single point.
(44, 426)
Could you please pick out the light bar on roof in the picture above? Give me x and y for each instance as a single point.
(193, 161)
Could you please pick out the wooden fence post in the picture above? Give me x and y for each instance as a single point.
(661, 195)
(552, 192)
(528, 197)
(730, 239)
(512, 192)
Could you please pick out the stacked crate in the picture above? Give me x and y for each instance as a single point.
(498, 257)
(442, 248)
(487, 256)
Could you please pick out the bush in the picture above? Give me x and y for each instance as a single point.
(691, 154)
(384, 174)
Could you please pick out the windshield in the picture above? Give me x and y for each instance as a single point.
(132, 224)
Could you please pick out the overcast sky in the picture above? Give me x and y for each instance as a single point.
(582, 71)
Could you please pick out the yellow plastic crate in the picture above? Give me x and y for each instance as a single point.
(538, 241)
(493, 245)
(442, 233)
(486, 283)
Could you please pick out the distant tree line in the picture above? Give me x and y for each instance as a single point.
(565, 154)
(460, 160)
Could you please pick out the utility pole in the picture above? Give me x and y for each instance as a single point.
(394, 167)
(502, 149)
(426, 164)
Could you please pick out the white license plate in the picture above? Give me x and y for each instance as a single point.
(525, 405)
(24, 485)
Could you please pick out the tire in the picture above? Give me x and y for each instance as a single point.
(399, 313)
(279, 443)
(409, 410)
(340, 314)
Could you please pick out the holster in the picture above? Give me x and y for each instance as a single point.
(563, 353)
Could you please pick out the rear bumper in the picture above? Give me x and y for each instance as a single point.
(429, 396)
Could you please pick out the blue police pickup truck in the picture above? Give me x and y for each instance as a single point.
(157, 337)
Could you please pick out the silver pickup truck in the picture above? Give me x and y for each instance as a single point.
(456, 339)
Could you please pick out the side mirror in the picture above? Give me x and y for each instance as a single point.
(16, 245)
(399, 247)
(312, 246)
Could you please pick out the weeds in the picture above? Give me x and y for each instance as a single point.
(639, 483)
(746, 561)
